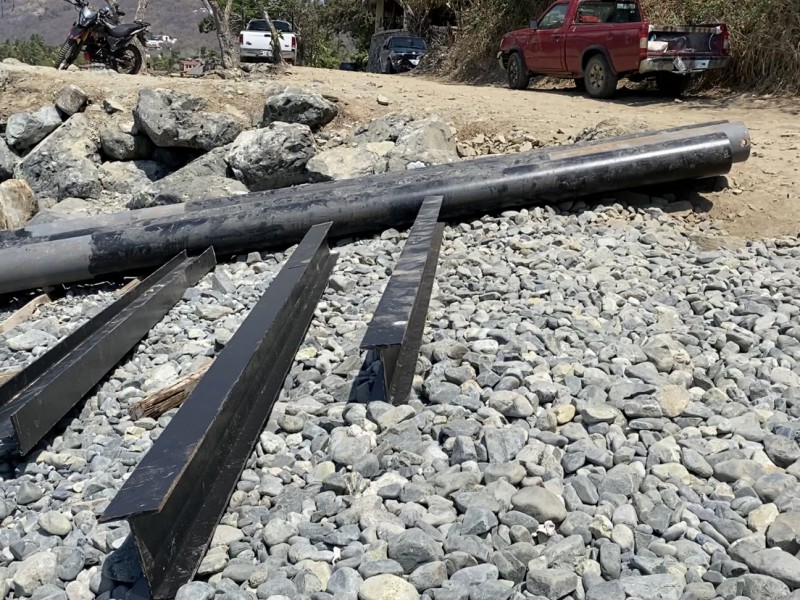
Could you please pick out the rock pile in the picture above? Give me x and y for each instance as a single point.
(175, 150)
(601, 410)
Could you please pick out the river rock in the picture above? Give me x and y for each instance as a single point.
(387, 587)
(540, 503)
(35, 571)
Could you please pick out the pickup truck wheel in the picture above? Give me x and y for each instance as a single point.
(600, 80)
(518, 76)
(672, 85)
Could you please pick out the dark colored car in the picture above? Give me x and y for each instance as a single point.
(402, 53)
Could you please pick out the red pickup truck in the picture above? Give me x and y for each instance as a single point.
(596, 42)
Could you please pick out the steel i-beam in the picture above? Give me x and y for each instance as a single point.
(395, 331)
(35, 400)
(174, 499)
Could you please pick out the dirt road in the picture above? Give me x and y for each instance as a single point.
(762, 200)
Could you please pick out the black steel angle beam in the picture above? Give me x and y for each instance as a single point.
(41, 394)
(397, 325)
(175, 497)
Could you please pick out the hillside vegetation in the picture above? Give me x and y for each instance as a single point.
(765, 37)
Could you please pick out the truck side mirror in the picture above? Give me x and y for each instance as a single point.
(534, 24)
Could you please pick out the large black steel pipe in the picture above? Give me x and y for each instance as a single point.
(379, 202)
(84, 226)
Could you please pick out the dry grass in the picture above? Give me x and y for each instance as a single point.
(765, 37)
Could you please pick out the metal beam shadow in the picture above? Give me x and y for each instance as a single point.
(41, 394)
(176, 496)
(395, 331)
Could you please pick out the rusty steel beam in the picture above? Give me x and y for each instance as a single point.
(33, 401)
(175, 497)
(397, 325)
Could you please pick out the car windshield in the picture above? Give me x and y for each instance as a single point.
(407, 42)
(261, 25)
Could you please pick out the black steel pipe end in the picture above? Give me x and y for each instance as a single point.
(739, 138)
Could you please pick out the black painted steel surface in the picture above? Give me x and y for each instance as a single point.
(85, 226)
(176, 496)
(40, 395)
(398, 322)
(356, 207)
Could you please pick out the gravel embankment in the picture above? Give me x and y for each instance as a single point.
(602, 411)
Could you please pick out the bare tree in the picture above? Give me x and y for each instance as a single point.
(141, 13)
(141, 10)
(277, 57)
(221, 14)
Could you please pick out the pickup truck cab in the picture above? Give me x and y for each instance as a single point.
(597, 42)
(255, 42)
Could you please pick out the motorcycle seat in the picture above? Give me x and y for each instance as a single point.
(121, 31)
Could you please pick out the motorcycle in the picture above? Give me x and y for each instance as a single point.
(99, 34)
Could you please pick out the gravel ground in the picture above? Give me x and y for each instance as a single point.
(601, 411)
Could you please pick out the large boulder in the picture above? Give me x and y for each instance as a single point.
(176, 120)
(130, 177)
(25, 130)
(8, 161)
(424, 142)
(17, 204)
(119, 144)
(65, 164)
(272, 157)
(298, 106)
(345, 162)
(203, 178)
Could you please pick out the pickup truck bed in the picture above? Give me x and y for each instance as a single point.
(596, 42)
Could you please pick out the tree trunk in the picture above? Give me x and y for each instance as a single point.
(277, 57)
(141, 13)
(141, 10)
(222, 20)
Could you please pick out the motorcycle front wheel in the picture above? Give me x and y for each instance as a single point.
(130, 60)
(67, 55)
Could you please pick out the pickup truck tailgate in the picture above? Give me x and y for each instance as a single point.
(262, 40)
(686, 49)
(707, 40)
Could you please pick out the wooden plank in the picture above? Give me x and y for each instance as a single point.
(24, 313)
(8, 374)
(128, 287)
(159, 402)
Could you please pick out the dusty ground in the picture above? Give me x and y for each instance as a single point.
(762, 200)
